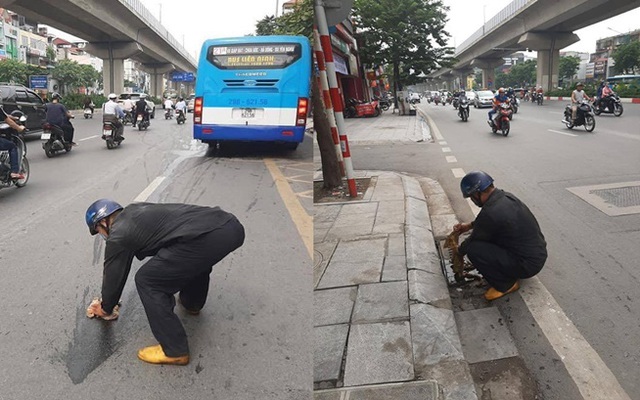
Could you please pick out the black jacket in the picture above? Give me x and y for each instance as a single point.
(507, 222)
(142, 229)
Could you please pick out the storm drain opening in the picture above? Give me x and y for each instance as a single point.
(612, 199)
(465, 275)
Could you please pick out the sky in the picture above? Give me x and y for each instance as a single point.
(466, 17)
(194, 21)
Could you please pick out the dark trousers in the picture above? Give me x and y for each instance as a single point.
(68, 132)
(499, 267)
(182, 267)
(6, 144)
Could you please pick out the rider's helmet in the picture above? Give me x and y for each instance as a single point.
(180, 99)
(475, 181)
(143, 96)
(98, 211)
(501, 90)
(56, 96)
(112, 96)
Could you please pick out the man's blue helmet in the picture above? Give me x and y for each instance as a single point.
(98, 211)
(475, 181)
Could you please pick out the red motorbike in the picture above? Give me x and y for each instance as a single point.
(358, 108)
(502, 121)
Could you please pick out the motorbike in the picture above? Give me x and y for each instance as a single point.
(436, 100)
(357, 108)
(142, 122)
(539, 98)
(515, 104)
(584, 117)
(88, 113)
(53, 142)
(5, 163)
(463, 109)
(128, 118)
(168, 113)
(111, 135)
(502, 121)
(455, 102)
(180, 118)
(384, 103)
(608, 105)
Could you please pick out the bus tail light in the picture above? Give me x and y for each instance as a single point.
(303, 108)
(197, 111)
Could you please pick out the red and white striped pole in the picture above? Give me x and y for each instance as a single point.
(338, 106)
(328, 104)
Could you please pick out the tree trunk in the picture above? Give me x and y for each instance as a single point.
(330, 167)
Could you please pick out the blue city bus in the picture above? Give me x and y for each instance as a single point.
(253, 89)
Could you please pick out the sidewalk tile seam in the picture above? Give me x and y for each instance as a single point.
(329, 258)
(382, 320)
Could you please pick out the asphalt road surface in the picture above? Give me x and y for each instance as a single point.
(592, 270)
(251, 340)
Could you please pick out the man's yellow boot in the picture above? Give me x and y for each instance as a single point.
(493, 294)
(155, 355)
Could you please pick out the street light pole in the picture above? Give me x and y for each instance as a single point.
(276, 14)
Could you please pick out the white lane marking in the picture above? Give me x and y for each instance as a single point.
(87, 138)
(458, 172)
(446, 150)
(588, 371)
(147, 192)
(442, 143)
(562, 133)
(624, 135)
(451, 159)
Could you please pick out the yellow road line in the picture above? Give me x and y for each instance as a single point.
(302, 220)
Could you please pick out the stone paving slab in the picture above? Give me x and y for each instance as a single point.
(394, 269)
(439, 204)
(381, 301)
(423, 390)
(333, 306)
(329, 344)
(428, 288)
(395, 245)
(443, 225)
(322, 253)
(379, 353)
(454, 380)
(435, 336)
(484, 335)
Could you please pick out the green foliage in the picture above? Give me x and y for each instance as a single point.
(567, 66)
(297, 22)
(409, 34)
(627, 57)
(13, 71)
(520, 75)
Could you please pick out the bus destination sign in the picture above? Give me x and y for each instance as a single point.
(254, 56)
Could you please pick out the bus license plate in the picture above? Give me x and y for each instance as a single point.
(45, 136)
(248, 113)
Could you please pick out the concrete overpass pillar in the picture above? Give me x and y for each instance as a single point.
(548, 46)
(157, 71)
(488, 66)
(113, 55)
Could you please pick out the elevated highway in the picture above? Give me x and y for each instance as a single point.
(546, 26)
(115, 30)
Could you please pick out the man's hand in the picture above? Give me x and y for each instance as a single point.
(462, 228)
(95, 310)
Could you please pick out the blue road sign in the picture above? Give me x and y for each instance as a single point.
(182, 77)
(38, 81)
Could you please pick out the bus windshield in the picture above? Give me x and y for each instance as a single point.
(253, 88)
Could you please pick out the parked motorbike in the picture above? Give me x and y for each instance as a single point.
(180, 118)
(608, 105)
(111, 135)
(53, 142)
(384, 103)
(142, 122)
(463, 109)
(584, 117)
(356, 108)
(88, 113)
(502, 121)
(5, 163)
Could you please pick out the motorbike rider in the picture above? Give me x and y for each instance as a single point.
(605, 96)
(57, 114)
(6, 144)
(506, 243)
(168, 106)
(577, 96)
(142, 107)
(181, 105)
(498, 99)
(112, 112)
(88, 103)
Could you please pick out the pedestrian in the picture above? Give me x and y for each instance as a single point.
(184, 242)
(506, 243)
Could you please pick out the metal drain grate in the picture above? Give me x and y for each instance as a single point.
(628, 196)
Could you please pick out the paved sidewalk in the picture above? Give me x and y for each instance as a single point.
(383, 313)
(388, 127)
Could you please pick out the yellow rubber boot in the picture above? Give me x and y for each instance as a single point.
(155, 355)
(493, 294)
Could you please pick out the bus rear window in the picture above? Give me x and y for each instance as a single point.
(254, 56)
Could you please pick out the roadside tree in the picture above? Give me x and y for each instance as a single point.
(627, 57)
(567, 67)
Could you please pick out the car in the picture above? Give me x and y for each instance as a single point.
(471, 95)
(191, 101)
(135, 97)
(484, 98)
(18, 97)
(413, 96)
